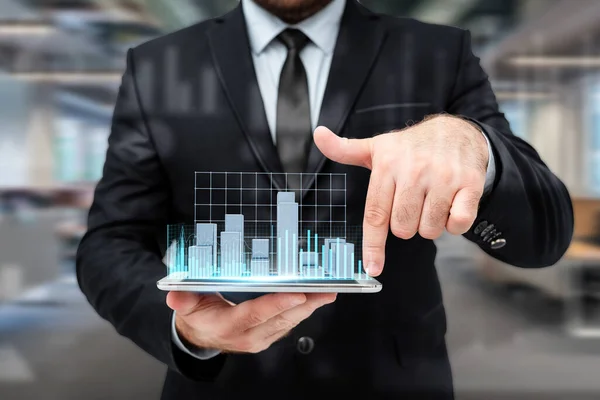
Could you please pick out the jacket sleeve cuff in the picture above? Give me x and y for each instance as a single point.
(199, 353)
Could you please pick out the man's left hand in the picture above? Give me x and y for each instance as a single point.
(425, 178)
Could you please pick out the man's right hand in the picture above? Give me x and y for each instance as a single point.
(211, 322)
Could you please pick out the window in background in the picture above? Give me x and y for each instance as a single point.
(80, 149)
(80, 138)
(14, 113)
(516, 113)
(593, 118)
(68, 150)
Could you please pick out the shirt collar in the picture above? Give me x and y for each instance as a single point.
(322, 28)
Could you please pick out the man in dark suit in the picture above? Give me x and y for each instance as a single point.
(244, 92)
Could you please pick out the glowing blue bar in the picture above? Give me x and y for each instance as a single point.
(279, 266)
(349, 257)
(259, 267)
(294, 255)
(316, 244)
(199, 260)
(323, 260)
(260, 248)
(231, 249)
(180, 259)
(308, 237)
(345, 263)
(302, 268)
(330, 262)
(337, 258)
(329, 244)
(287, 221)
(206, 235)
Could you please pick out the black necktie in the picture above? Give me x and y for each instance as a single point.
(294, 128)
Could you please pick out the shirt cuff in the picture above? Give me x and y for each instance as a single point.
(490, 174)
(201, 354)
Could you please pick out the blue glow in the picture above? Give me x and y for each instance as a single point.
(210, 250)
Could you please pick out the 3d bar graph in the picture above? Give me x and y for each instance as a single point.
(206, 235)
(231, 255)
(287, 232)
(231, 238)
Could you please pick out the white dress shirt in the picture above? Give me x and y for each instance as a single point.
(269, 55)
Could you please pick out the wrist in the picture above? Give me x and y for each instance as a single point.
(185, 333)
(471, 132)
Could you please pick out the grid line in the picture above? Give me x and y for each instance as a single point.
(322, 209)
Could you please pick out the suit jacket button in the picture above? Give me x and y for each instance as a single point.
(488, 230)
(498, 244)
(482, 225)
(305, 345)
(489, 235)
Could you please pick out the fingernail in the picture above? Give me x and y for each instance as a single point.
(372, 269)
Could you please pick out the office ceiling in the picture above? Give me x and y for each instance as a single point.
(115, 25)
(561, 41)
(486, 19)
(98, 32)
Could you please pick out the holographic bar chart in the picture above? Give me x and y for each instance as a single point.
(255, 226)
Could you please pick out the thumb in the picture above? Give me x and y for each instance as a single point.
(343, 150)
(183, 302)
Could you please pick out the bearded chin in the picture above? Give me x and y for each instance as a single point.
(293, 11)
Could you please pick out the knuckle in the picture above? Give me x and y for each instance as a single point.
(373, 247)
(462, 222)
(438, 212)
(376, 216)
(403, 232)
(472, 176)
(445, 175)
(251, 318)
(420, 165)
(472, 201)
(430, 233)
(387, 161)
(282, 324)
(462, 219)
(405, 214)
(282, 305)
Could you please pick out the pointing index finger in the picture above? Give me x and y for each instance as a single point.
(376, 223)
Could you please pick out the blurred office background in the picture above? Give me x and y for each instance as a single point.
(513, 334)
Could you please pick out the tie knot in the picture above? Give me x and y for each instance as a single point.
(293, 39)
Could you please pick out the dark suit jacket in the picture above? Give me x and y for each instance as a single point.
(189, 101)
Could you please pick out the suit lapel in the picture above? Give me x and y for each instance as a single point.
(232, 56)
(359, 42)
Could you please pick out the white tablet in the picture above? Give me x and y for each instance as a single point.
(265, 232)
(270, 284)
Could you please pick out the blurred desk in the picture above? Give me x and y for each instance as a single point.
(69, 234)
(575, 278)
(582, 278)
(582, 251)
